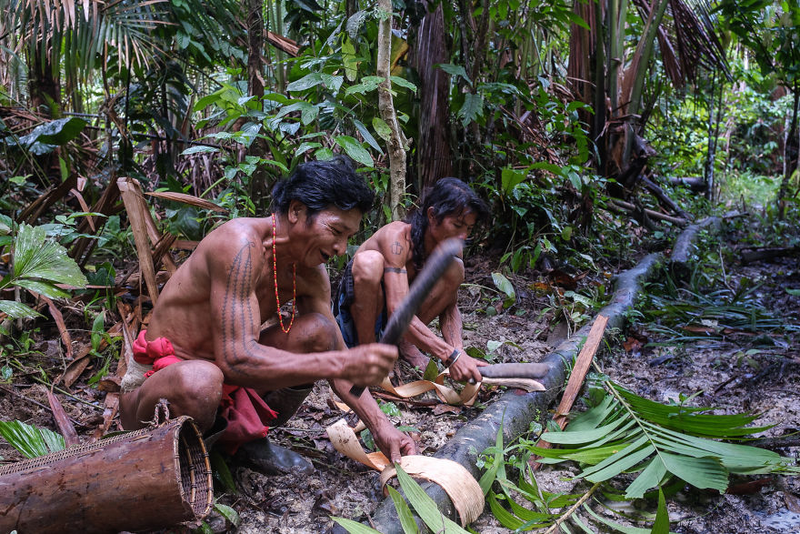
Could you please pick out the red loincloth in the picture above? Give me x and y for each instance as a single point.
(243, 408)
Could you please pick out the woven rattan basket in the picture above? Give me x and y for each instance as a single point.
(146, 479)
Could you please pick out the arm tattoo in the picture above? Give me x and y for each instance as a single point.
(397, 248)
(397, 270)
(237, 315)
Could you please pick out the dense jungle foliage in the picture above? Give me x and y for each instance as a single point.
(596, 131)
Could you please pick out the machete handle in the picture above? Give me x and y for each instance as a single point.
(435, 266)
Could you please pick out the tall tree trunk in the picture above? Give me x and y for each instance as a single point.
(639, 66)
(44, 85)
(599, 101)
(713, 134)
(792, 149)
(433, 158)
(397, 151)
(260, 182)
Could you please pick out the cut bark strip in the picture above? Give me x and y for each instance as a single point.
(457, 482)
(62, 420)
(345, 441)
(138, 214)
(448, 395)
(576, 378)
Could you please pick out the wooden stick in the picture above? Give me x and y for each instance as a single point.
(62, 420)
(576, 378)
(138, 216)
(59, 319)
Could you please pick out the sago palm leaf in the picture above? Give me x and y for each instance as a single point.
(626, 433)
(42, 261)
(31, 441)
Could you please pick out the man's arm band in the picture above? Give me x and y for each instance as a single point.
(453, 358)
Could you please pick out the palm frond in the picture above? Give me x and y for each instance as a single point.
(29, 440)
(626, 433)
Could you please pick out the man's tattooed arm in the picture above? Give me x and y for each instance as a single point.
(238, 315)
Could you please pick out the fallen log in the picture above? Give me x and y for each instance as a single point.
(768, 253)
(142, 480)
(680, 259)
(515, 409)
(630, 208)
(663, 198)
(695, 183)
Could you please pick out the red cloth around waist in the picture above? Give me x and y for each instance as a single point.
(244, 409)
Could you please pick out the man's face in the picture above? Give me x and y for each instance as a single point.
(459, 226)
(325, 234)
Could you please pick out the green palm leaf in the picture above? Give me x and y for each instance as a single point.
(29, 440)
(627, 433)
(37, 258)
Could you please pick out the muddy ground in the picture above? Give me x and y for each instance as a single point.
(737, 370)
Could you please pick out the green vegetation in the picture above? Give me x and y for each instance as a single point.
(629, 448)
(594, 138)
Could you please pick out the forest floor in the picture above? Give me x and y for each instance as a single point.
(751, 367)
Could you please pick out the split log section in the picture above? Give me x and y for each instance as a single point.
(141, 480)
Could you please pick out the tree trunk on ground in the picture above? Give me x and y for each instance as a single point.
(433, 159)
(397, 150)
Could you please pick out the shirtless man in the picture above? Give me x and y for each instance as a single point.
(212, 357)
(378, 278)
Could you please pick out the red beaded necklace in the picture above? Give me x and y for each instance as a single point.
(275, 276)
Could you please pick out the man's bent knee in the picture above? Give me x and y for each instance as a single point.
(317, 333)
(192, 387)
(368, 268)
(310, 332)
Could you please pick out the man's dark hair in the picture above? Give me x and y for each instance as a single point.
(321, 184)
(448, 196)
